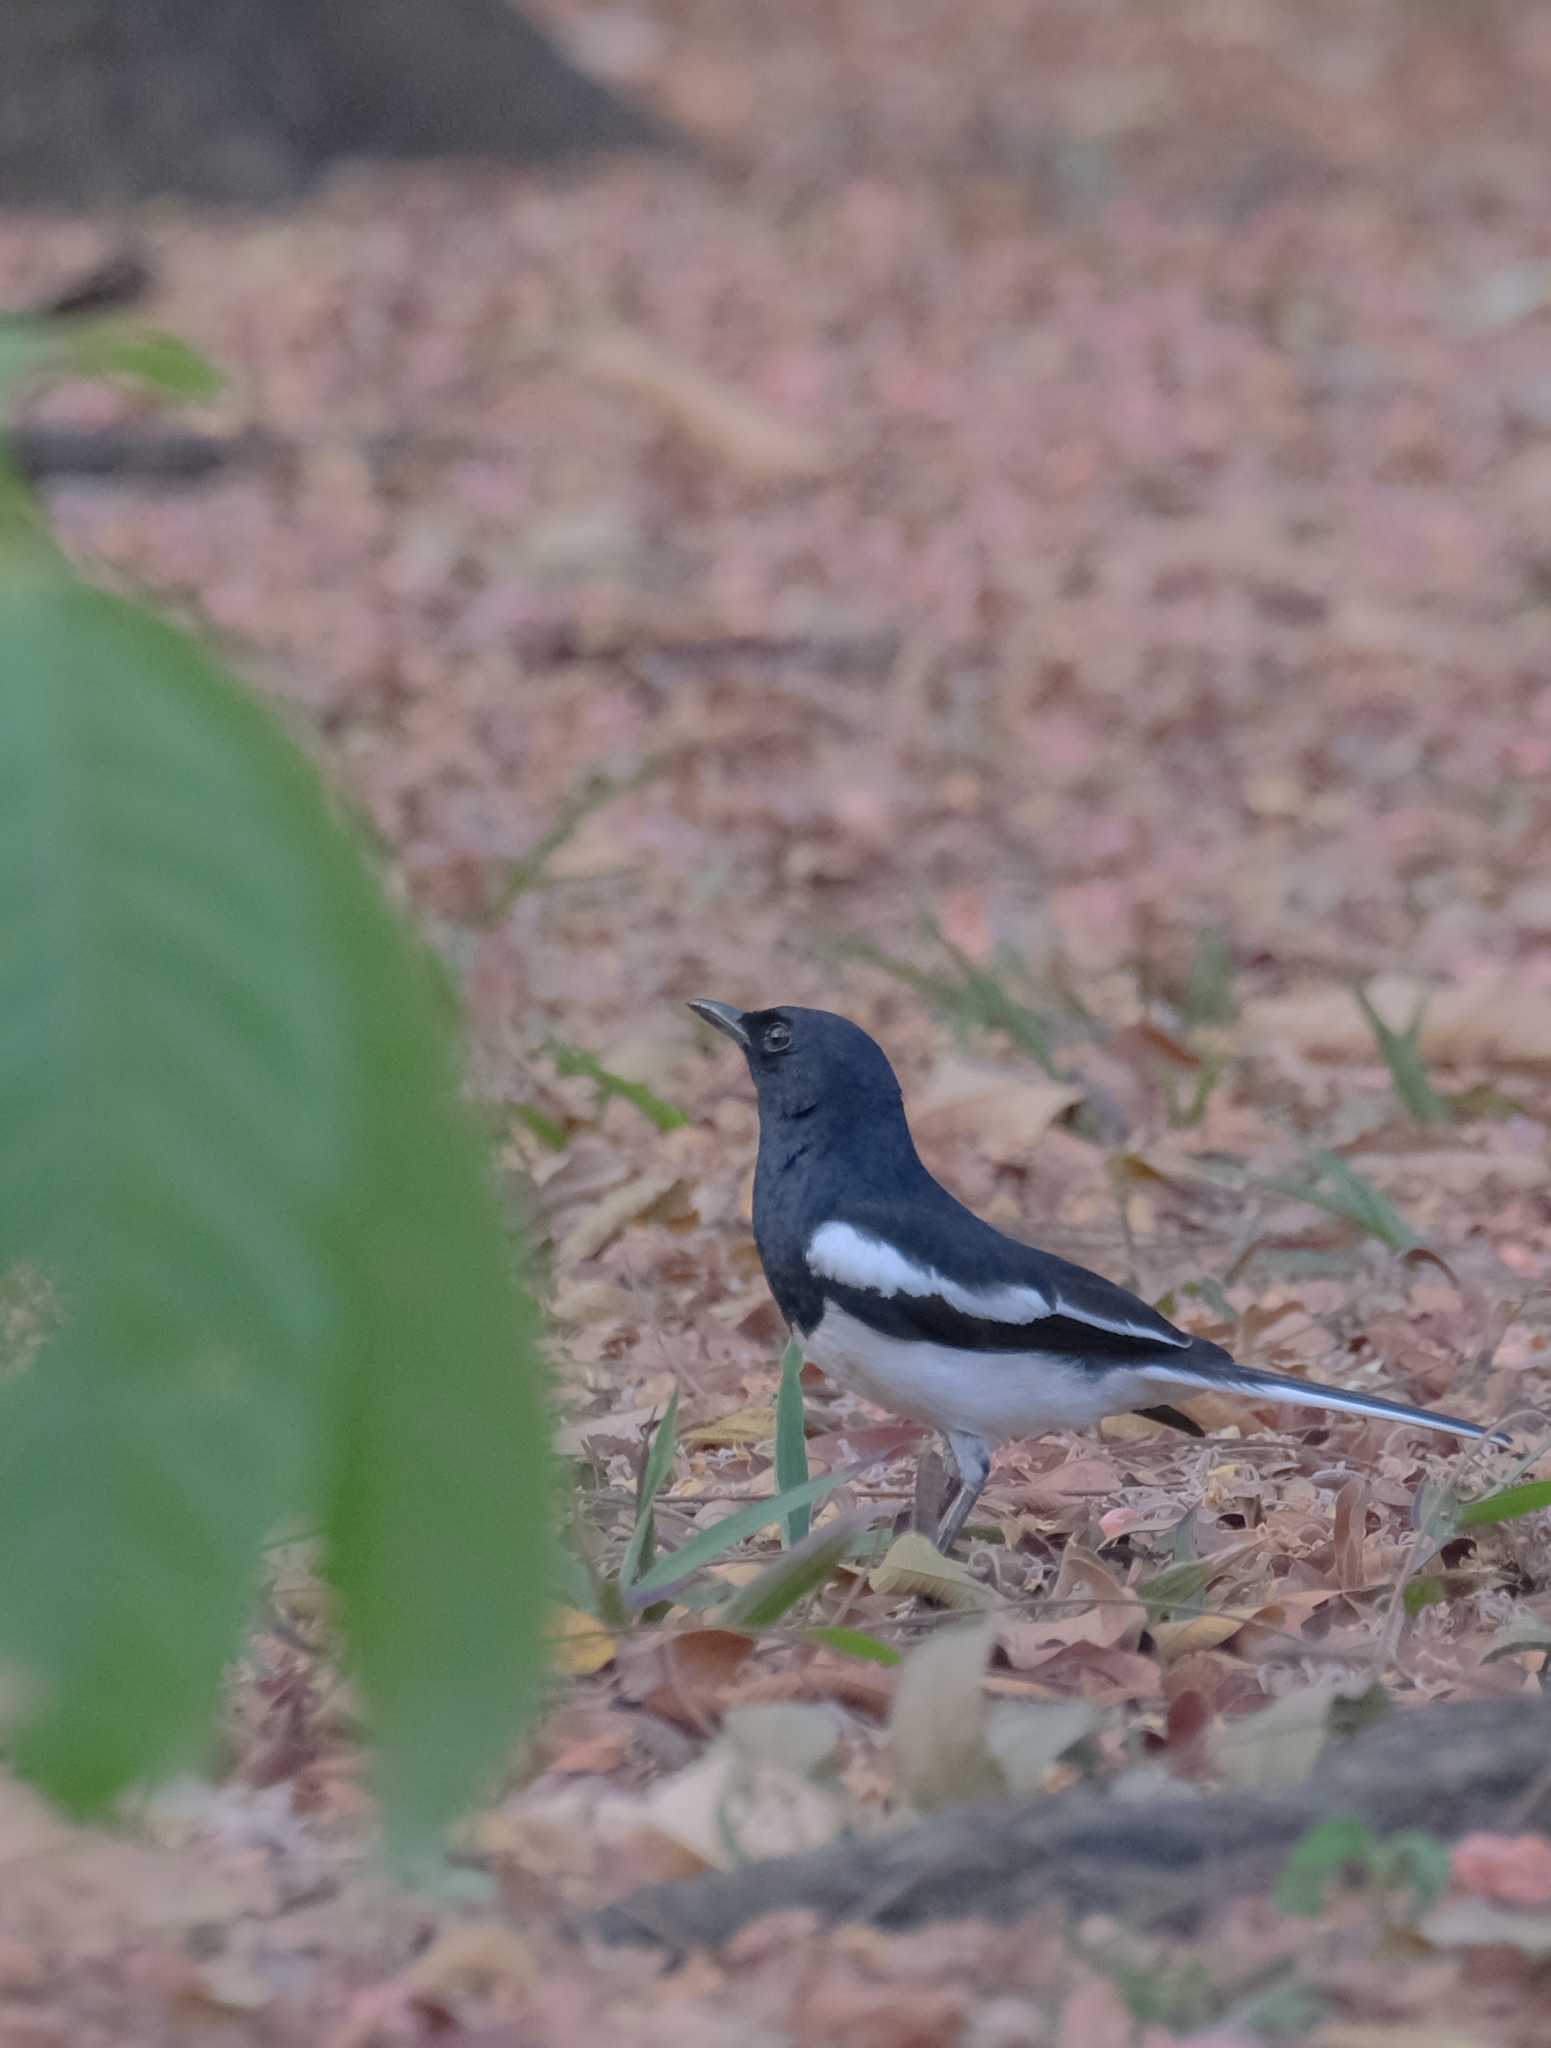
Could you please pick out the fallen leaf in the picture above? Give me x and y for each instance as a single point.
(914, 1566)
(1279, 1744)
(649, 1197)
(698, 1667)
(1514, 1870)
(742, 1426)
(937, 1729)
(1001, 1110)
(579, 1643)
(727, 1809)
(1176, 1639)
(1024, 1741)
(1113, 1620)
(723, 421)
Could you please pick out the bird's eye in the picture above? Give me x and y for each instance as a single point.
(778, 1038)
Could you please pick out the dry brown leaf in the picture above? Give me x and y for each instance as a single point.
(1349, 1534)
(1272, 1630)
(697, 1669)
(1003, 1111)
(649, 1197)
(1114, 1620)
(723, 421)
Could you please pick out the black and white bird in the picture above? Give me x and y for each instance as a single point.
(904, 1296)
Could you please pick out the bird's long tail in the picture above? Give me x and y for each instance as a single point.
(1231, 1378)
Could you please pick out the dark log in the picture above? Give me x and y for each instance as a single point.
(1156, 1862)
(249, 100)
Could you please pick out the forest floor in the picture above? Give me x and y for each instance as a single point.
(1039, 537)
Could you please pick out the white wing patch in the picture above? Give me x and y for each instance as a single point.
(838, 1251)
(1147, 1333)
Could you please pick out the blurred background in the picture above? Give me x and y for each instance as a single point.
(1028, 522)
(1024, 521)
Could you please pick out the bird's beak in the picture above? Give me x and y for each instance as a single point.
(725, 1018)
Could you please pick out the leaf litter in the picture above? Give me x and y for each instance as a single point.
(1037, 546)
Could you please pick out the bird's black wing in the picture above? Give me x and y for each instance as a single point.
(937, 1274)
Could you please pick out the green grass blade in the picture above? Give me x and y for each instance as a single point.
(1401, 1053)
(1340, 1191)
(793, 1575)
(654, 1476)
(711, 1545)
(791, 1449)
(570, 1060)
(1529, 1499)
(854, 1642)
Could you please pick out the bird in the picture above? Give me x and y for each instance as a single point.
(903, 1295)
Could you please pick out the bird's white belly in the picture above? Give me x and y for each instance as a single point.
(994, 1395)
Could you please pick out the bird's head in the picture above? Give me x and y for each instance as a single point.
(806, 1060)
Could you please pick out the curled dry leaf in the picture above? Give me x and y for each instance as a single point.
(915, 1567)
(696, 1671)
(1113, 1619)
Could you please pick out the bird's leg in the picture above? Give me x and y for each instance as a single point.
(972, 1456)
(936, 1484)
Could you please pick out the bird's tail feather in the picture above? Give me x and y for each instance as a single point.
(1230, 1378)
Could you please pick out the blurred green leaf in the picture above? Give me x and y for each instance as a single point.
(38, 350)
(1209, 996)
(229, 1133)
(1338, 1189)
(793, 1575)
(854, 1642)
(1401, 1052)
(1324, 1854)
(791, 1448)
(1529, 1499)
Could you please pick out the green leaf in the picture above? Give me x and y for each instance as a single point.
(1505, 1506)
(1209, 997)
(1401, 1052)
(791, 1448)
(854, 1642)
(574, 1059)
(713, 1544)
(654, 1476)
(1416, 1862)
(1324, 1854)
(229, 1137)
(36, 350)
(793, 1575)
(1178, 1584)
